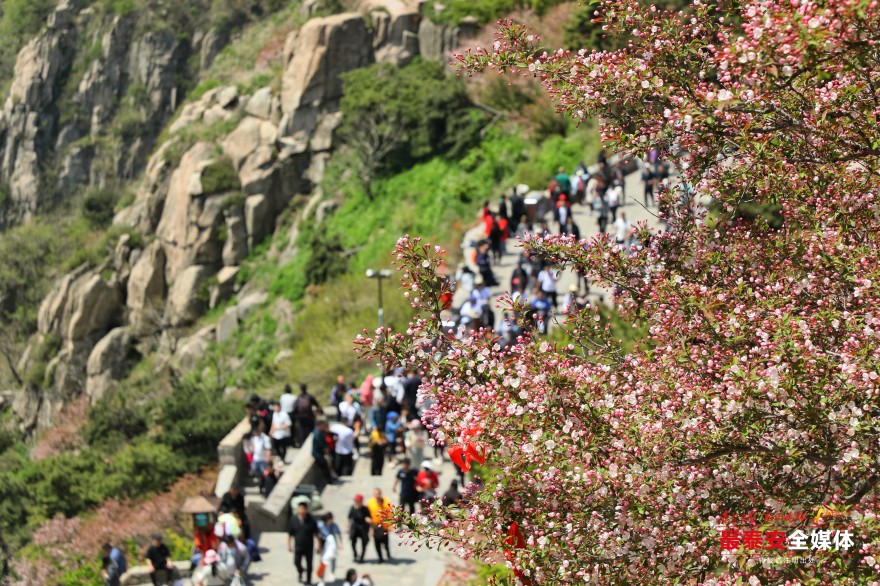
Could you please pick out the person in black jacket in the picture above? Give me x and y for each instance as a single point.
(233, 502)
(158, 557)
(302, 534)
(337, 393)
(269, 479)
(359, 527)
(306, 410)
(572, 229)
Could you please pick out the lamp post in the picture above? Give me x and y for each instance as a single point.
(379, 275)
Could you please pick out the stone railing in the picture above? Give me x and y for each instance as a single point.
(272, 513)
(233, 464)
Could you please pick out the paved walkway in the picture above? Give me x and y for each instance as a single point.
(410, 566)
(587, 222)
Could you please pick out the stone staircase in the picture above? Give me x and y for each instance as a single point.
(266, 513)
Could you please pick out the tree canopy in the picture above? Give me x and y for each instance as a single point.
(754, 391)
(393, 117)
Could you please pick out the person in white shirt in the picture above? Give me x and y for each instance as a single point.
(465, 277)
(563, 212)
(524, 228)
(344, 448)
(280, 430)
(483, 291)
(352, 414)
(547, 279)
(287, 401)
(394, 386)
(472, 310)
(613, 197)
(350, 411)
(622, 227)
(261, 446)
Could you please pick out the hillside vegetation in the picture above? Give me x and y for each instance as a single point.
(448, 156)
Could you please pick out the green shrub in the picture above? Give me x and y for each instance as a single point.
(194, 418)
(203, 88)
(219, 177)
(557, 151)
(326, 259)
(234, 200)
(119, 7)
(87, 572)
(143, 467)
(501, 94)
(114, 233)
(36, 375)
(114, 421)
(127, 198)
(20, 20)
(394, 117)
(98, 205)
(289, 280)
(26, 253)
(485, 11)
(66, 484)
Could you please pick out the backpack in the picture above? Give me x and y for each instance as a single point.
(303, 406)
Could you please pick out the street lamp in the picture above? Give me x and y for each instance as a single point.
(379, 275)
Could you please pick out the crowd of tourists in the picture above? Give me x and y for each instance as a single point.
(382, 418)
(534, 280)
(379, 419)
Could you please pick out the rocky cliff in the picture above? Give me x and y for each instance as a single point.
(89, 96)
(202, 205)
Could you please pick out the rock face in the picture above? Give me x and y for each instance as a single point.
(256, 218)
(311, 85)
(146, 287)
(225, 287)
(80, 305)
(397, 29)
(94, 305)
(79, 311)
(186, 301)
(235, 249)
(35, 87)
(216, 104)
(201, 207)
(141, 71)
(189, 220)
(438, 42)
(107, 363)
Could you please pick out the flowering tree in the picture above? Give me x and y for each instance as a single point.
(754, 393)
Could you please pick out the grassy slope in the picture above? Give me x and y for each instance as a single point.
(436, 200)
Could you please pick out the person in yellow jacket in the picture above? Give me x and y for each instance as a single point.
(380, 509)
(378, 443)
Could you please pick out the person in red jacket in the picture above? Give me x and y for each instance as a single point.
(427, 482)
(504, 227)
